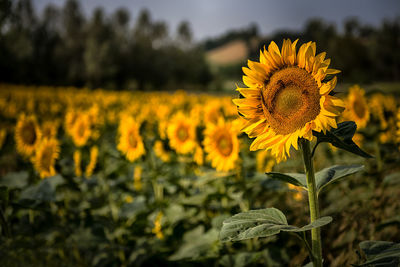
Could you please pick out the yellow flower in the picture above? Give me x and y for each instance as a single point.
(130, 141)
(222, 145)
(264, 161)
(287, 97)
(45, 157)
(198, 156)
(160, 151)
(3, 135)
(94, 152)
(137, 176)
(356, 107)
(49, 129)
(81, 130)
(77, 161)
(182, 134)
(297, 192)
(128, 199)
(157, 226)
(27, 135)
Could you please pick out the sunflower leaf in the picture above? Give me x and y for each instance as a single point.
(297, 179)
(333, 173)
(380, 253)
(262, 223)
(341, 137)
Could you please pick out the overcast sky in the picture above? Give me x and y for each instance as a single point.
(210, 18)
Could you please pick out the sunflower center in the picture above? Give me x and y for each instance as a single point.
(46, 158)
(290, 100)
(81, 129)
(182, 134)
(225, 145)
(132, 140)
(29, 133)
(359, 108)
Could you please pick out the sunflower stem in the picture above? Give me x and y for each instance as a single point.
(312, 201)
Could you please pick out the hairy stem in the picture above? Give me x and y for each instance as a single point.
(312, 201)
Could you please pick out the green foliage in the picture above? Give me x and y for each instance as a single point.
(262, 223)
(333, 173)
(380, 253)
(341, 137)
(322, 178)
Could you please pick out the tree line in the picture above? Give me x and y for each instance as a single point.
(63, 47)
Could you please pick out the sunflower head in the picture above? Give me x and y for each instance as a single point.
(222, 145)
(130, 142)
(45, 157)
(81, 130)
(287, 97)
(160, 151)
(94, 152)
(182, 133)
(357, 107)
(27, 135)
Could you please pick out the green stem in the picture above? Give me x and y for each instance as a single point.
(313, 202)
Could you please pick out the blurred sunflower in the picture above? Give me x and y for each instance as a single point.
(222, 145)
(77, 161)
(81, 130)
(160, 152)
(357, 107)
(3, 135)
(49, 129)
(198, 156)
(130, 141)
(157, 230)
(286, 98)
(137, 178)
(45, 157)
(182, 134)
(27, 135)
(94, 152)
(264, 161)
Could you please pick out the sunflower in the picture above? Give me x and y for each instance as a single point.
(160, 152)
(130, 141)
(3, 136)
(49, 129)
(264, 161)
(356, 107)
(77, 161)
(27, 135)
(157, 226)
(137, 178)
(222, 145)
(94, 152)
(45, 157)
(81, 130)
(198, 156)
(287, 98)
(182, 134)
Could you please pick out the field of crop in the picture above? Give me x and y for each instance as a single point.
(102, 178)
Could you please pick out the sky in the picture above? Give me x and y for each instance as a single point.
(210, 18)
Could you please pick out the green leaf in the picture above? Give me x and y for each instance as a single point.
(380, 253)
(34, 195)
(333, 173)
(262, 223)
(198, 244)
(15, 179)
(297, 179)
(341, 137)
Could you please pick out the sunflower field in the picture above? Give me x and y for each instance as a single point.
(105, 178)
